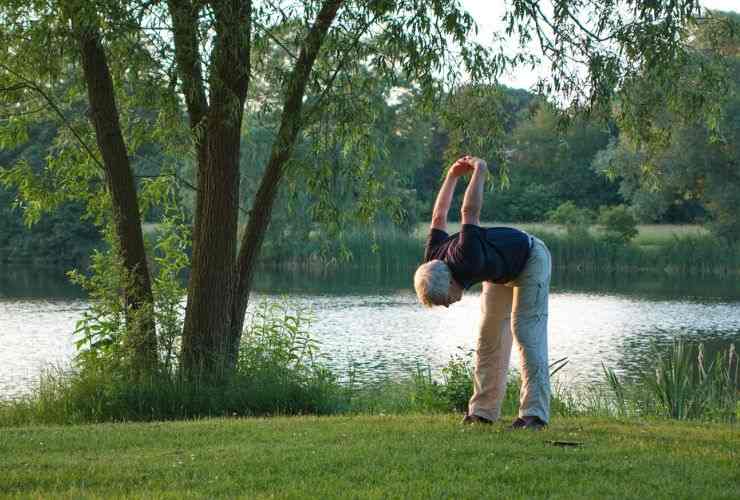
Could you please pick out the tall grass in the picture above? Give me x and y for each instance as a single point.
(279, 372)
(683, 385)
(384, 247)
(685, 254)
(687, 250)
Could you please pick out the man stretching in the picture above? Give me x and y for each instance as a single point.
(514, 268)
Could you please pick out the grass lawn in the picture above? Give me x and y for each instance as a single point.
(371, 457)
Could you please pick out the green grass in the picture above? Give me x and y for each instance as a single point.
(370, 457)
(656, 234)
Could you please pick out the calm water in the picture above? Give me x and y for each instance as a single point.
(372, 321)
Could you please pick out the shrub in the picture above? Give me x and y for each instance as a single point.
(458, 380)
(524, 204)
(618, 223)
(576, 220)
(279, 372)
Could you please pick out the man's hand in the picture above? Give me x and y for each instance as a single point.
(475, 162)
(461, 167)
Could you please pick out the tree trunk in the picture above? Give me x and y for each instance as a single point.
(187, 56)
(218, 290)
(211, 288)
(120, 181)
(282, 150)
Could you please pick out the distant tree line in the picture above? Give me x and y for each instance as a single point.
(587, 163)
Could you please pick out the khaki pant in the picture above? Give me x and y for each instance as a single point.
(519, 308)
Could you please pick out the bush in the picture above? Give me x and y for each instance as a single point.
(279, 372)
(458, 380)
(523, 204)
(618, 223)
(568, 214)
(576, 220)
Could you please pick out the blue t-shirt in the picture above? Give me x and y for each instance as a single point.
(476, 254)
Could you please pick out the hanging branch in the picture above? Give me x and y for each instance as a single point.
(30, 85)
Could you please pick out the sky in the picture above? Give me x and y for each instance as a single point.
(488, 14)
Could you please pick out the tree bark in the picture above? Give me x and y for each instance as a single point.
(120, 181)
(187, 56)
(211, 289)
(282, 150)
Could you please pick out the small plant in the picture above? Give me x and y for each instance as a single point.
(617, 388)
(277, 338)
(458, 379)
(618, 223)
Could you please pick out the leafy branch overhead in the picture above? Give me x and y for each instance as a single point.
(191, 83)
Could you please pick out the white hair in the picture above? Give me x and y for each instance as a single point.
(432, 283)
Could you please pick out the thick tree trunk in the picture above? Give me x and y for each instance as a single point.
(282, 150)
(218, 291)
(211, 289)
(120, 182)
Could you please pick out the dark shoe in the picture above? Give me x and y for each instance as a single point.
(519, 423)
(529, 422)
(475, 419)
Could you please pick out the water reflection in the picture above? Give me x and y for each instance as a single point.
(36, 282)
(372, 322)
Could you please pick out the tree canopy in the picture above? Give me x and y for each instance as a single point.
(187, 78)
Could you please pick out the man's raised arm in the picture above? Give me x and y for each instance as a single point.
(473, 200)
(444, 197)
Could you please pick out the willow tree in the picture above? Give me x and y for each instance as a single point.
(207, 60)
(697, 163)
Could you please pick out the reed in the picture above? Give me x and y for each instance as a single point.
(683, 385)
(688, 251)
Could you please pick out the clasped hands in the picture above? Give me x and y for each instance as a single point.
(465, 165)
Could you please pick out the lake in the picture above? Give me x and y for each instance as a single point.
(370, 321)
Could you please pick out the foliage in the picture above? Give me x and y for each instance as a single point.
(277, 338)
(547, 153)
(686, 386)
(457, 380)
(346, 171)
(694, 255)
(618, 223)
(450, 390)
(312, 83)
(683, 385)
(689, 162)
(525, 202)
(171, 251)
(658, 250)
(568, 214)
(64, 235)
(279, 372)
(102, 328)
(104, 343)
(576, 220)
